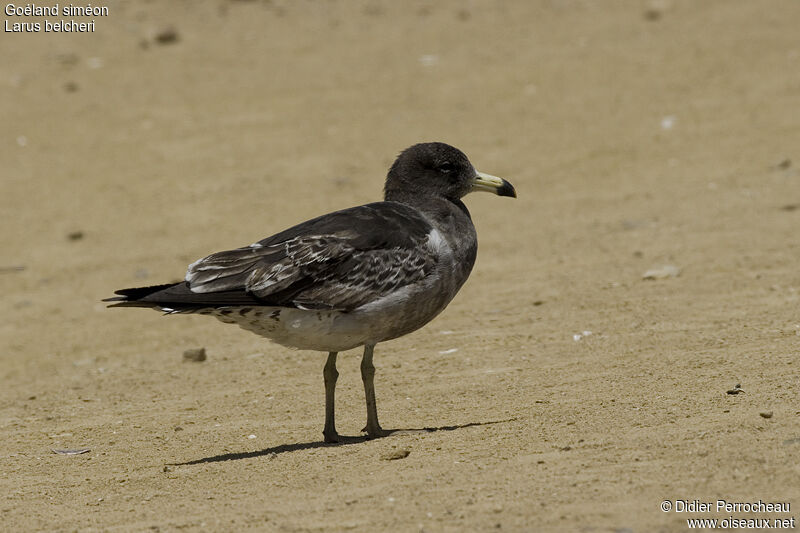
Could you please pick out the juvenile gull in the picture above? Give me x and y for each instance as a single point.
(351, 278)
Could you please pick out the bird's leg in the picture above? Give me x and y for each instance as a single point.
(330, 374)
(373, 428)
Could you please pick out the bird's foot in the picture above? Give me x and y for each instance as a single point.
(375, 432)
(335, 438)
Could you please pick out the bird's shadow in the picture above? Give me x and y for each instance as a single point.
(284, 448)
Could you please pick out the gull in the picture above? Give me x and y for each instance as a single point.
(351, 278)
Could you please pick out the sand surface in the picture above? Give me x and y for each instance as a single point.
(560, 390)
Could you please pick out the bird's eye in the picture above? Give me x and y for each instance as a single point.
(446, 167)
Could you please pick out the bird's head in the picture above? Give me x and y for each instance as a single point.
(438, 169)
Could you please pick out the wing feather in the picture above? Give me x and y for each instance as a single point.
(338, 261)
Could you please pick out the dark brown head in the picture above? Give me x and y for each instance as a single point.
(438, 170)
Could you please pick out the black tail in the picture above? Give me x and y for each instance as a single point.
(133, 297)
(177, 296)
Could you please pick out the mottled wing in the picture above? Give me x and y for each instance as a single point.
(337, 261)
(366, 276)
(269, 268)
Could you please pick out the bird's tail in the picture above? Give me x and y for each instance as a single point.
(174, 297)
(136, 296)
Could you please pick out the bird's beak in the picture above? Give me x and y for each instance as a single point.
(489, 183)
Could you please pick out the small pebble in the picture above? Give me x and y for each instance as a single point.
(784, 164)
(195, 354)
(578, 336)
(652, 14)
(655, 9)
(735, 390)
(75, 235)
(666, 271)
(396, 454)
(167, 35)
(766, 414)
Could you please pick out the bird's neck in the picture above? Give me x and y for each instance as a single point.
(451, 217)
(426, 204)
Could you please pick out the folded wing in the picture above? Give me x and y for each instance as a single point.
(337, 261)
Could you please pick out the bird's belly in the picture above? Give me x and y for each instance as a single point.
(294, 328)
(331, 330)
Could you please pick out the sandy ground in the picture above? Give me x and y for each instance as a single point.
(638, 135)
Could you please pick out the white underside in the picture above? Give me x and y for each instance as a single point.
(324, 330)
(294, 328)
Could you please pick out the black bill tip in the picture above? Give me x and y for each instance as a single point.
(506, 189)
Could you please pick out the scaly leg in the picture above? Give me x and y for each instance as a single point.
(330, 374)
(373, 428)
